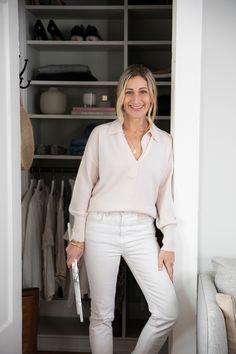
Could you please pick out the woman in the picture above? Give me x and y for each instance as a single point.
(124, 185)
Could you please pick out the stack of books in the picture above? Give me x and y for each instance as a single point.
(94, 110)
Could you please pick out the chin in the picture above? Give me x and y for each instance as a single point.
(137, 115)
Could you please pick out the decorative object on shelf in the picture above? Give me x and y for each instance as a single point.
(105, 101)
(39, 31)
(53, 101)
(89, 99)
(54, 31)
(27, 139)
(21, 77)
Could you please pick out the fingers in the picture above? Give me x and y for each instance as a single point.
(166, 259)
(73, 253)
(170, 270)
(160, 262)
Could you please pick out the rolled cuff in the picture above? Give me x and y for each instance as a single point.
(169, 239)
(78, 230)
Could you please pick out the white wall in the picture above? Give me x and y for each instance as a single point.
(217, 232)
(10, 221)
(186, 96)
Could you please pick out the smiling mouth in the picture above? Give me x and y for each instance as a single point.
(136, 108)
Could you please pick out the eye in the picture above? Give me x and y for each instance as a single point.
(144, 92)
(128, 92)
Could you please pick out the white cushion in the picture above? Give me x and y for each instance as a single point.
(225, 275)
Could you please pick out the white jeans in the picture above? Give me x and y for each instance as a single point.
(132, 236)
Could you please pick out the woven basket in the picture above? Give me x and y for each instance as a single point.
(27, 139)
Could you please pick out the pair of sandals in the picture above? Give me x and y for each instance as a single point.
(78, 33)
(53, 149)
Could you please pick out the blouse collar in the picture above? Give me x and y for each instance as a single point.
(116, 127)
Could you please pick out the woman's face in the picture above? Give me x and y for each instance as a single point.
(137, 98)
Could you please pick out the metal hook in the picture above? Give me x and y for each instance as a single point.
(21, 78)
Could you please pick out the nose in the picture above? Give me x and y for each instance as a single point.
(136, 99)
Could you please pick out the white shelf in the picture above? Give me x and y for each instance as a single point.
(75, 45)
(85, 83)
(73, 83)
(57, 157)
(151, 11)
(150, 44)
(75, 12)
(80, 116)
(72, 116)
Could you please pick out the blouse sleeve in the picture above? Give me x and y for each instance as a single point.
(86, 178)
(166, 220)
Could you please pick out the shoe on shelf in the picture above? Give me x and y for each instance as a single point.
(77, 33)
(57, 150)
(54, 31)
(41, 149)
(39, 31)
(92, 34)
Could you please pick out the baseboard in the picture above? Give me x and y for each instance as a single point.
(67, 343)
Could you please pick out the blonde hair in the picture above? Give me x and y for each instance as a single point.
(132, 71)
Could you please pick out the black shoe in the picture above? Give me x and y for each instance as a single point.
(39, 31)
(91, 34)
(54, 31)
(77, 33)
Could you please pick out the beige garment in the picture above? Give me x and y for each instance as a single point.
(32, 253)
(24, 211)
(48, 249)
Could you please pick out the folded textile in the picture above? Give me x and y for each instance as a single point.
(56, 69)
(67, 76)
(78, 141)
(77, 145)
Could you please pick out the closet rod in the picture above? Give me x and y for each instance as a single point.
(53, 170)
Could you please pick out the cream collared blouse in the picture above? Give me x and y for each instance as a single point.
(110, 179)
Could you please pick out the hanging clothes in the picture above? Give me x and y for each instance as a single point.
(32, 253)
(48, 247)
(60, 243)
(24, 211)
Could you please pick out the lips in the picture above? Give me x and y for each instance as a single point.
(136, 108)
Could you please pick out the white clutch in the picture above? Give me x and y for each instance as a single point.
(75, 272)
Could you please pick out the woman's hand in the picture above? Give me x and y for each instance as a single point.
(167, 259)
(73, 253)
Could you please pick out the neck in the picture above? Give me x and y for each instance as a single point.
(135, 125)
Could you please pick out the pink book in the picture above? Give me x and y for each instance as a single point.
(93, 109)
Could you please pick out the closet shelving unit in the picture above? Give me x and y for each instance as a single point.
(131, 34)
